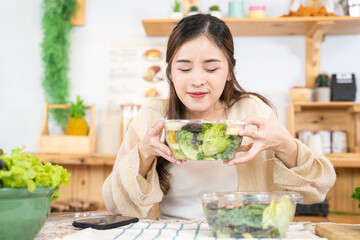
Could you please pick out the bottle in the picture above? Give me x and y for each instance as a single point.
(329, 5)
(294, 6)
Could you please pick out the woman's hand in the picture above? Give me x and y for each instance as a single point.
(269, 136)
(151, 146)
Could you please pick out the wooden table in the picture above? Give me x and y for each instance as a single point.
(59, 225)
(336, 218)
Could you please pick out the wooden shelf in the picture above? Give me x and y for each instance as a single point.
(343, 116)
(338, 159)
(344, 160)
(267, 27)
(349, 106)
(314, 28)
(77, 159)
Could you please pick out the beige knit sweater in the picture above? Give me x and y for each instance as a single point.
(126, 191)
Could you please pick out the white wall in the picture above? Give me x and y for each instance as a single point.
(268, 65)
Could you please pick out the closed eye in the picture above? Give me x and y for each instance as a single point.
(211, 70)
(185, 70)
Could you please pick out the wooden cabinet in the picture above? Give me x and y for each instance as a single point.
(344, 116)
(333, 116)
(314, 28)
(88, 173)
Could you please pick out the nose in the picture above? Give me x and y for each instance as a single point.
(197, 78)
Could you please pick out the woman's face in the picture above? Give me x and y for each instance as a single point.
(199, 72)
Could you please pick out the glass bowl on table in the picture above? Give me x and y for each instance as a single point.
(250, 214)
(203, 139)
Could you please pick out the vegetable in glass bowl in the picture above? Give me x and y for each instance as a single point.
(250, 214)
(203, 139)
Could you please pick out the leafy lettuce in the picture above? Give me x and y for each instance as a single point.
(279, 214)
(25, 170)
(210, 142)
(215, 140)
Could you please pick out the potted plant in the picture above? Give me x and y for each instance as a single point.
(322, 92)
(193, 10)
(356, 195)
(215, 11)
(176, 10)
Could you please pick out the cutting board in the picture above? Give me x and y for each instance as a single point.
(338, 232)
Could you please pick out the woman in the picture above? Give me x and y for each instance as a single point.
(202, 83)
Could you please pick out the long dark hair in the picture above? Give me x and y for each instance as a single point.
(216, 31)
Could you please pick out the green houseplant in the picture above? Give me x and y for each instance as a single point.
(56, 27)
(176, 10)
(322, 91)
(215, 11)
(26, 188)
(356, 195)
(193, 10)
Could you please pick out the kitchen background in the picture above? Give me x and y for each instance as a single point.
(267, 65)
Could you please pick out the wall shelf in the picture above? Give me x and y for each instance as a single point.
(77, 159)
(344, 160)
(281, 26)
(314, 28)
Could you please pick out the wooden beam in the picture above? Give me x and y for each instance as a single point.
(314, 37)
(78, 19)
(313, 56)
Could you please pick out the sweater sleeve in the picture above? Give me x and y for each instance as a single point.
(125, 191)
(313, 175)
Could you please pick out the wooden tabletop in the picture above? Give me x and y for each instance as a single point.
(336, 218)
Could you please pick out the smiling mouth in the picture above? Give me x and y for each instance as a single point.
(197, 94)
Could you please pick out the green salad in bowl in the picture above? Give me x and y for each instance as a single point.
(250, 214)
(27, 186)
(203, 139)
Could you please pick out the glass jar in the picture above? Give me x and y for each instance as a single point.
(257, 11)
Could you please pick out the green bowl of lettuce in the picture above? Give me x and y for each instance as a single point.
(203, 139)
(250, 214)
(27, 187)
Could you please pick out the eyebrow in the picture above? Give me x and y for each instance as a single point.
(206, 61)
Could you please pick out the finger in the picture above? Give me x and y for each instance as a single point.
(164, 151)
(170, 158)
(243, 148)
(257, 121)
(251, 134)
(156, 128)
(245, 158)
(160, 146)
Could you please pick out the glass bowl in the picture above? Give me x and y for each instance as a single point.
(203, 139)
(250, 214)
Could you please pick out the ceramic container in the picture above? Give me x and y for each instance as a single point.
(23, 213)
